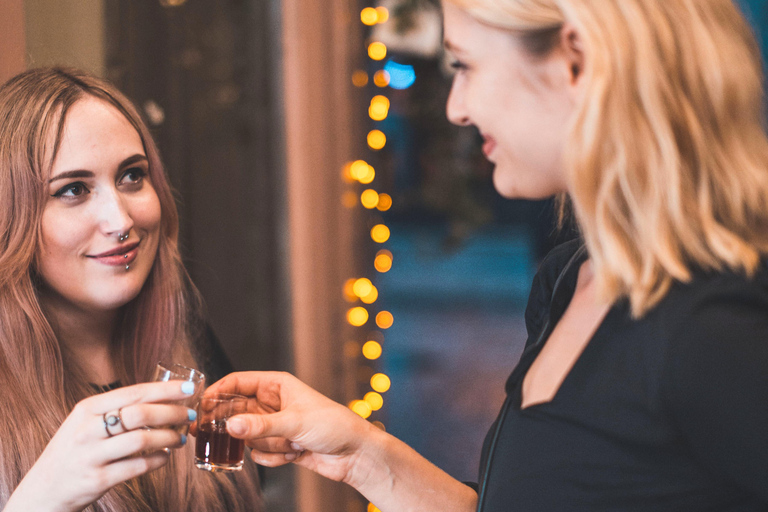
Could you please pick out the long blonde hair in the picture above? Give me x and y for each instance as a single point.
(39, 382)
(667, 160)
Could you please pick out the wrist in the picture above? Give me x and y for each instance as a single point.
(369, 464)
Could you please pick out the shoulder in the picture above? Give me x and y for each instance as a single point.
(544, 282)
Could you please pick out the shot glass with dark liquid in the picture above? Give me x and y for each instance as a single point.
(215, 449)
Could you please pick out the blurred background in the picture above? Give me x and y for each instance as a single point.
(337, 225)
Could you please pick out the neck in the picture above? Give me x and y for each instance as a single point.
(84, 335)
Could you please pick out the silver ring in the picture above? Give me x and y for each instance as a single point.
(112, 419)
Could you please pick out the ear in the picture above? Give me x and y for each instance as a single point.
(573, 49)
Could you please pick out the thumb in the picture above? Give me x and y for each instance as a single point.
(254, 426)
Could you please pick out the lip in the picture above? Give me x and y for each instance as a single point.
(119, 256)
(489, 144)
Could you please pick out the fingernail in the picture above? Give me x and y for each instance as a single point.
(191, 415)
(188, 388)
(290, 456)
(236, 426)
(183, 439)
(297, 447)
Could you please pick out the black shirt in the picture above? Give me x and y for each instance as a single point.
(665, 413)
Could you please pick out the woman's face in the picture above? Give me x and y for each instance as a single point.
(101, 222)
(520, 104)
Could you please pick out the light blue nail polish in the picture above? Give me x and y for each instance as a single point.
(191, 415)
(188, 388)
(183, 439)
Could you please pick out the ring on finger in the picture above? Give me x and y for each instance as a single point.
(111, 421)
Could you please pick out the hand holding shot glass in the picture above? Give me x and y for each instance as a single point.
(215, 449)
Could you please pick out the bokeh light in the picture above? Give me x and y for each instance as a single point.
(374, 399)
(371, 296)
(372, 508)
(383, 261)
(368, 176)
(381, 78)
(369, 16)
(372, 350)
(358, 169)
(346, 173)
(349, 199)
(384, 319)
(369, 198)
(385, 202)
(357, 316)
(362, 287)
(376, 139)
(359, 78)
(380, 233)
(380, 383)
(383, 14)
(379, 108)
(349, 290)
(360, 407)
(377, 50)
(401, 76)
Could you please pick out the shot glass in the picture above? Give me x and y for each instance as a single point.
(171, 371)
(215, 449)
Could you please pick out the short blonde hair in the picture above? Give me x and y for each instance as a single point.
(667, 159)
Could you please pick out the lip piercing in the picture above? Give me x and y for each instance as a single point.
(125, 255)
(127, 268)
(122, 237)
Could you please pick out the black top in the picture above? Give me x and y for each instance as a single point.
(665, 413)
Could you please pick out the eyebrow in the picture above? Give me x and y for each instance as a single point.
(82, 173)
(451, 47)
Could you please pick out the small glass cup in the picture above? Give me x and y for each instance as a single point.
(215, 449)
(171, 371)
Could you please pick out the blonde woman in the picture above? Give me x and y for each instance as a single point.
(92, 296)
(644, 385)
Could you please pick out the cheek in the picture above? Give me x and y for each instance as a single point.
(147, 213)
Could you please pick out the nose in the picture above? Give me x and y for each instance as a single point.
(455, 109)
(115, 219)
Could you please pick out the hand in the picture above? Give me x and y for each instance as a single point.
(85, 459)
(288, 421)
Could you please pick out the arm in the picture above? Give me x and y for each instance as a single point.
(82, 462)
(289, 421)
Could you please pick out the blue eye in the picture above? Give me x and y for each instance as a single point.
(72, 190)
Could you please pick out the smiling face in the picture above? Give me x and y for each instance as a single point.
(520, 104)
(99, 191)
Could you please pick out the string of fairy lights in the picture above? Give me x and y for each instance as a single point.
(360, 292)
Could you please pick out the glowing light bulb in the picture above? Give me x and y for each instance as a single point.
(374, 400)
(384, 319)
(383, 14)
(362, 287)
(376, 139)
(377, 50)
(385, 202)
(369, 198)
(381, 78)
(380, 233)
(380, 383)
(372, 350)
(369, 16)
(361, 408)
(359, 78)
(357, 316)
(383, 261)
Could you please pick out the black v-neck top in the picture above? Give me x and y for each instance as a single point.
(665, 413)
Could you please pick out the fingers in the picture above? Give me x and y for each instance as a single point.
(273, 460)
(142, 441)
(132, 467)
(255, 426)
(265, 386)
(272, 445)
(137, 394)
(155, 415)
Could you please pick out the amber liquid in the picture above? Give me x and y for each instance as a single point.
(216, 449)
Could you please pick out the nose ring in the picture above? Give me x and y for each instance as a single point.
(123, 237)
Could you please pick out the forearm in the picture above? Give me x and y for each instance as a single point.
(395, 478)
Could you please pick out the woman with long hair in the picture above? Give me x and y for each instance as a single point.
(92, 295)
(644, 382)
